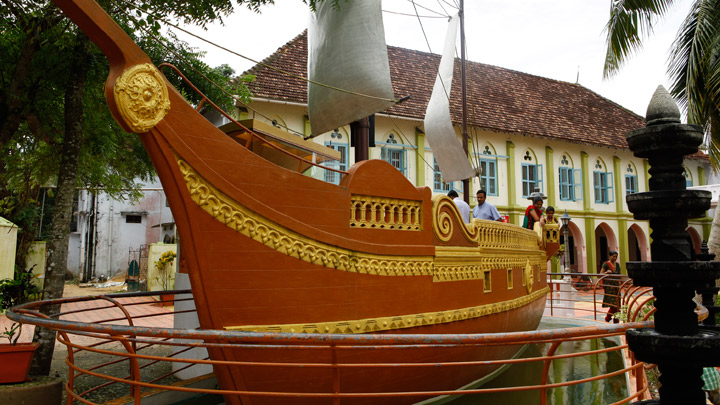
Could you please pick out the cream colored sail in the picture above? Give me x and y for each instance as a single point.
(347, 51)
(440, 134)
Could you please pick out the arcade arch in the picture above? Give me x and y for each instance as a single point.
(578, 262)
(695, 238)
(637, 244)
(605, 241)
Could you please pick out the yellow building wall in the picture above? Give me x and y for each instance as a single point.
(509, 152)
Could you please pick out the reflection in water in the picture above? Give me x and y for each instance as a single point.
(604, 391)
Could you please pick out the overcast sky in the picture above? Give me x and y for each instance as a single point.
(558, 39)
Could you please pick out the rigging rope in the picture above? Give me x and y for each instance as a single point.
(427, 9)
(201, 74)
(421, 154)
(293, 75)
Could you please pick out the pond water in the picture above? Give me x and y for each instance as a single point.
(600, 392)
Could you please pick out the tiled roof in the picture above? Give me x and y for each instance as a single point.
(499, 99)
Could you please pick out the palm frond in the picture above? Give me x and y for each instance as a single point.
(692, 57)
(631, 21)
(712, 128)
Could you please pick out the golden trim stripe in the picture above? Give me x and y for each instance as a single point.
(275, 236)
(448, 264)
(461, 263)
(370, 325)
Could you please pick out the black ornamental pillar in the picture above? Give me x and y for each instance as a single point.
(677, 344)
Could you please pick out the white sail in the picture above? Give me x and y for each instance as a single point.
(447, 149)
(347, 51)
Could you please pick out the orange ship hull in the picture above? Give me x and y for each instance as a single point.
(269, 249)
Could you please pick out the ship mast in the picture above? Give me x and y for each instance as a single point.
(466, 182)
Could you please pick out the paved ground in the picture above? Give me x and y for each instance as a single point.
(159, 316)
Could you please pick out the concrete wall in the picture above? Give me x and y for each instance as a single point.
(8, 243)
(113, 236)
(37, 254)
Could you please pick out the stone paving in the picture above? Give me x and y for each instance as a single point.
(95, 311)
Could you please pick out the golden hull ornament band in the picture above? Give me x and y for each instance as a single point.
(141, 97)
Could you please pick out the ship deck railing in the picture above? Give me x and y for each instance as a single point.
(131, 332)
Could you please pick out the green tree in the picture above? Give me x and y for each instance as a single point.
(693, 68)
(52, 98)
(52, 112)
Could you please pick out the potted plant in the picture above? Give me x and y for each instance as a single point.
(15, 358)
(165, 276)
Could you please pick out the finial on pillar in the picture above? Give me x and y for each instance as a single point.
(662, 109)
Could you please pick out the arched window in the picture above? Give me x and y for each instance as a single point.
(688, 177)
(487, 161)
(531, 174)
(394, 153)
(439, 185)
(570, 180)
(603, 183)
(631, 182)
(338, 142)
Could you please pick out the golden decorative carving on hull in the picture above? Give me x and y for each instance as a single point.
(398, 322)
(448, 264)
(275, 236)
(141, 97)
(385, 213)
(528, 275)
(462, 263)
(552, 233)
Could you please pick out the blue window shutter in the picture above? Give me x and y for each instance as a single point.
(610, 181)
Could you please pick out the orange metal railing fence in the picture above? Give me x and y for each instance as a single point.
(120, 333)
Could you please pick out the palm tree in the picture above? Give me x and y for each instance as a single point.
(693, 67)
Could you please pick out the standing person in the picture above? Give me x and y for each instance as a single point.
(485, 210)
(533, 213)
(462, 206)
(549, 217)
(611, 299)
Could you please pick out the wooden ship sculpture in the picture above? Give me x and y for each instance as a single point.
(267, 248)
